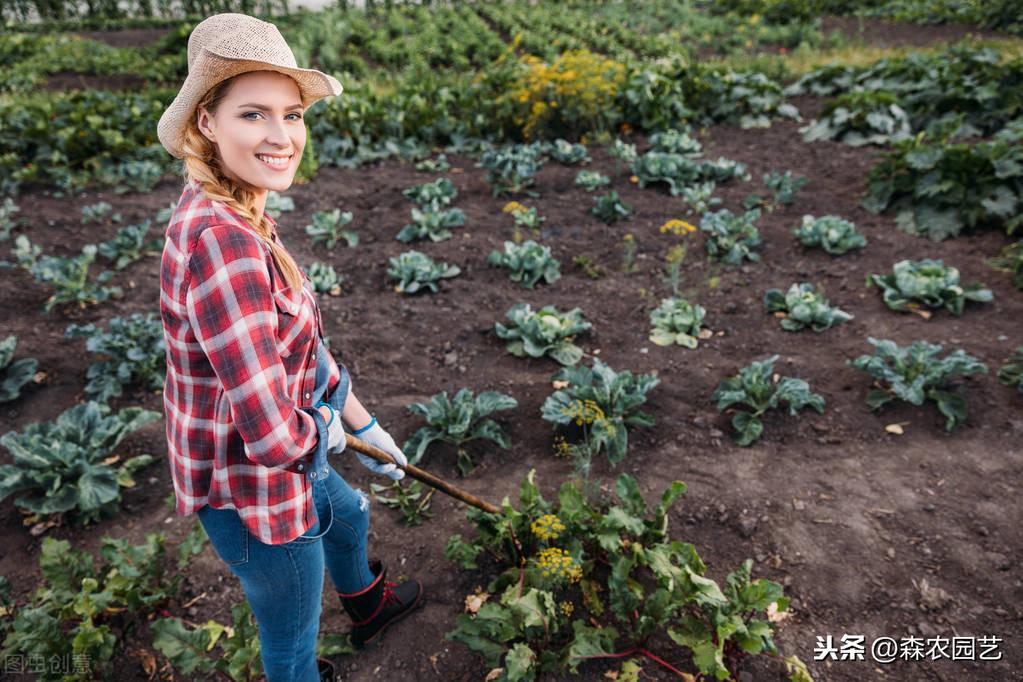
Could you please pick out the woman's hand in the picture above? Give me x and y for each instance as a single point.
(335, 430)
(375, 435)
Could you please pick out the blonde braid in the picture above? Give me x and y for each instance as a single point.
(202, 165)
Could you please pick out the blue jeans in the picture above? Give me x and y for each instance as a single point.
(284, 583)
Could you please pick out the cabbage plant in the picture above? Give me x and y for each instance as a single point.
(676, 320)
(609, 209)
(1011, 373)
(130, 245)
(433, 225)
(543, 332)
(416, 271)
(569, 153)
(68, 465)
(14, 375)
(731, 238)
(325, 279)
(915, 373)
(755, 389)
(432, 196)
(929, 283)
(326, 228)
(529, 263)
(512, 168)
(131, 350)
(591, 180)
(801, 307)
(833, 234)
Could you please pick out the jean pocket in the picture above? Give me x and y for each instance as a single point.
(321, 500)
(227, 534)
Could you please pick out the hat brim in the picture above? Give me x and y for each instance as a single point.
(211, 68)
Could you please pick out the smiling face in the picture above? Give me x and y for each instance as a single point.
(259, 130)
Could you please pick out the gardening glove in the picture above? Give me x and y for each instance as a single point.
(374, 434)
(335, 430)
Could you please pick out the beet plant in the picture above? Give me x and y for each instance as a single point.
(457, 421)
(756, 389)
(543, 332)
(916, 374)
(575, 581)
(801, 307)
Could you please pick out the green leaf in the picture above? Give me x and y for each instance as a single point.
(589, 642)
(519, 663)
(747, 428)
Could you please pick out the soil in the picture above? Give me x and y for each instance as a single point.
(871, 533)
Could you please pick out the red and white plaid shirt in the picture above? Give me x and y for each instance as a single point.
(241, 367)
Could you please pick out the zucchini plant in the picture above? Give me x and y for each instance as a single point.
(132, 350)
(861, 118)
(731, 238)
(758, 390)
(604, 403)
(915, 373)
(529, 263)
(416, 271)
(14, 375)
(676, 320)
(457, 421)
(927, 283)
(68, 465)
(543, 332)
(831, 233)
(326, 228)
(575, 581)
(802, 307)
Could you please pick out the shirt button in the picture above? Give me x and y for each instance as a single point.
(301, 467)
(314, 356)
(312, 475)
(307, 396)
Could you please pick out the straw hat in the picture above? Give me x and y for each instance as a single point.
(225, 45)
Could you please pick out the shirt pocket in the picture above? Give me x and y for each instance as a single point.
(295, 319)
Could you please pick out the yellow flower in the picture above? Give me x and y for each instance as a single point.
(513, 207)
(584, 411)
(628, 237)
(678, 227)
(566, 608)
(547, 527)
(556, 563)
(561, 447)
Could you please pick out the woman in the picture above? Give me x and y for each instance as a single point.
(254, 401)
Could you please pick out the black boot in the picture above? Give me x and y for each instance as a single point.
(326, 668)
(375, 607)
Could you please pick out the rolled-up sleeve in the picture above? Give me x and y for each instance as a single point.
(232, 312)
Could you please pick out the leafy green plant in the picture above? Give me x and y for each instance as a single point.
(731, 238)
(439, 164)
(512, 168)
(569, 153)
(67, 465)
(591, 180)
(623, 153)
(130, 245)
(276, 204)
(433, 225)
(680, 171)
(187, 648)
(98, 213)
(577, 581)
(14, 375)
(7, 219)
(801, 307)
(325, 279)
(416, 271)
(74, 614)
(529, 263)
(831, 233)
(1011, 373)
(783, 189)
(132, 350)
(915, 373)
(699, 196)
(676, 320)
(587, 264)
(929, 283)
(409, 500)
(68, 276)
(543, 332)
(457, 421)
(1011, 260)
(609, 209)
(861, 118)
(939, 189)
(673, 141)
(326, 228)
(432, 196)
(754, 389)
(604, 403)
(525, 217)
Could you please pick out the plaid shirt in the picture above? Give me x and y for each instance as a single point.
(241, 369)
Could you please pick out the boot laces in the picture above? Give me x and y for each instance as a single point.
(389, 595)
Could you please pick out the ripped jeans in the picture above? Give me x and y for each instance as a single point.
(283, 584)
